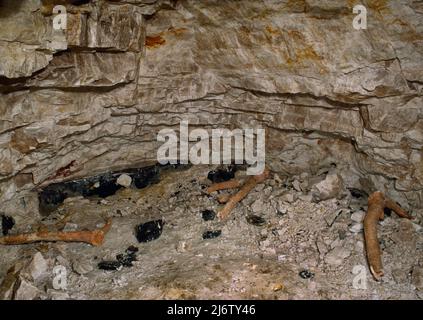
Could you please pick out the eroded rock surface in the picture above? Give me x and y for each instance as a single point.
(92, 98)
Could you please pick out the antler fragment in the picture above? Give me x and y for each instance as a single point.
(92, 237)
(376, 204)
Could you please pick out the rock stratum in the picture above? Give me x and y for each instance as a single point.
(93, 97)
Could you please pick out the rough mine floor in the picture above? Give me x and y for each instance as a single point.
(277, 244)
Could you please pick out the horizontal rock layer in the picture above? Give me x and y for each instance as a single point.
(93, 98)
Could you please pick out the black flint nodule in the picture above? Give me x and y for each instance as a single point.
(149, 231)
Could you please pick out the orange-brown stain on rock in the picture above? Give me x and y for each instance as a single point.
(298, 51)
(272, 30)
(352, 3)
(307, 53)
(158, 40)
(154, 41)
(295, 35)
(380, 8)
(302, 52)
(378, 5)
(244, 36)
(273, 35)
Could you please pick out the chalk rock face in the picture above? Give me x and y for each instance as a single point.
(92, 98)
(24, 39)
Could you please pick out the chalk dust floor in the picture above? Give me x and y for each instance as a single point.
(277, 244)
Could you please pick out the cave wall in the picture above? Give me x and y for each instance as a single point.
(92, 98)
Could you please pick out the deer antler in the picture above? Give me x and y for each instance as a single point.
(93, 237)
(232, 201)
(376, 203)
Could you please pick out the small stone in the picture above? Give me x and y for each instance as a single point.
(267, 191)
(335, 243)
(337, 256)
(38, 266)
(305, 274)
(131, 250)
(358, 216)
(281, 208)
(257, 206)
(399, 275)
(255, 220)
(304, 176)
(331, 217)
(70, 227)
(124, 180)
(127, 258)
(208, 215)
(26, 291)
(9, 281)
(277, 179)
(306, 197)
(109, 265)
(322, 247)
(277, 287)
(221, 175)
(212, 234)
(297, 186)
(329, 188)
(356, 228)
(100, 225)
(7, 224)
(82, 267)
(62, 261)
(281, 257)
(78, 199)
(416, 227)
(182, 247)
(288, 197)
(304, 186)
